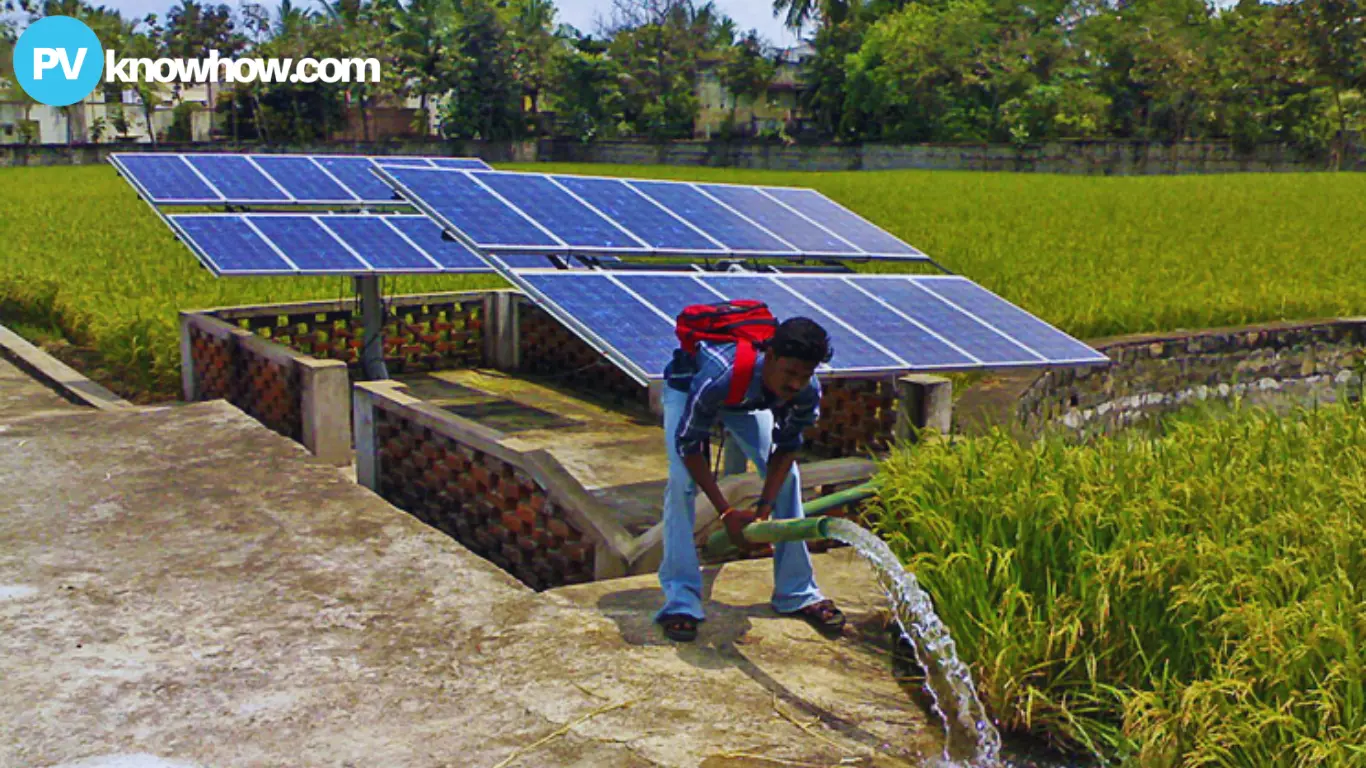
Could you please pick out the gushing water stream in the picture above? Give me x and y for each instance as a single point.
(948, 679)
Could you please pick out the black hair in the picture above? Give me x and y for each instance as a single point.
(801, 338)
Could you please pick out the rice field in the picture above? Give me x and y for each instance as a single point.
(1191, 600)
(83, 258)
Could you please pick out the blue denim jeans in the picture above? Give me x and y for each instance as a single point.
(680, 575)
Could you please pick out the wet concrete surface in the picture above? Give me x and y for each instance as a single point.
(185, 587)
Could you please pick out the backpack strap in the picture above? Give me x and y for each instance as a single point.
(743, 372)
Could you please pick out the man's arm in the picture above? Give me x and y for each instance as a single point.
(779, 465)
(801, 413)
(700, 469)
(704, 404)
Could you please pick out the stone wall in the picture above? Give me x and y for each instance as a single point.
(1273, 364)
(1072, 157)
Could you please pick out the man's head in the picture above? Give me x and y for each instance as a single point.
(797, 347)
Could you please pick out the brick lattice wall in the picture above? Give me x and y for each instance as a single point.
(858, 416)
(268, 391)
(492, 507)
(549, 349)
(418, 337)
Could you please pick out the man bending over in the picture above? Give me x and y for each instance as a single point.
(781, 400)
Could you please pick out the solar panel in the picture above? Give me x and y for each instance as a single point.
(286, 244)
(506, 212)
(874, 321)
(165, 178)
(841, 221)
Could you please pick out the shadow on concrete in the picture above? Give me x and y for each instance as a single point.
(719, 645)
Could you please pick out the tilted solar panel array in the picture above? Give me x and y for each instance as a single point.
(166, 178)
(877, 323)
(308, 244)
(507, 212)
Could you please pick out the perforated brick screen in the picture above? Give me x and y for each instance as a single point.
(491, 506)
(266, 390)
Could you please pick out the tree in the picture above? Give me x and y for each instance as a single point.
(1336, 33)
(588, 93)
(485, 98)
(747, 71)
(535, 47)
(193, 31)
(423, 25)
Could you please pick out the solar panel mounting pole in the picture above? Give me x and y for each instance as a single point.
(372, 318)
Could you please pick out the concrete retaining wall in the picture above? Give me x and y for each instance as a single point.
(1271, 364)
(95, 154)
(1070, 157)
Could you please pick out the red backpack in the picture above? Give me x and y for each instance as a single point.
(745, 322)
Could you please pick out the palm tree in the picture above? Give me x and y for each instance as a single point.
(798, 13)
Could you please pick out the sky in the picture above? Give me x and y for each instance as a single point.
(583, 14)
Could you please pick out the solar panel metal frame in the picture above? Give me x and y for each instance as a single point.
(645, 378)
(208, 262)
(115, 159)
(722, 251)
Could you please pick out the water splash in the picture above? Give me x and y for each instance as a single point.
(948, 680)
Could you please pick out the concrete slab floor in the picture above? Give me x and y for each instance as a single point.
(185, 587)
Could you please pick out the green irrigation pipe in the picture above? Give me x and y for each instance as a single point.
(815, 525)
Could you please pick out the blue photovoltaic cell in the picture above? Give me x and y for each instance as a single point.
(625, 324)
(398, 161)
(669, 293)
(850, 350)
(237, 178)
(356, 173)
(557, 211)
(841, 221)
(378, 243)
(471, 209)
(167, 178)
(910, 342)
(635, 212)
(461, 163)
(970, 335)
(427, 235)
(307, 244)
(774, 217)
(1011, 320)
(303, 179)
(705, 214)
(230, 245)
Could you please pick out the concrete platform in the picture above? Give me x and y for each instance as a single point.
(185, 585)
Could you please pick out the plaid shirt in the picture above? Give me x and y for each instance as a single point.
(707, 382)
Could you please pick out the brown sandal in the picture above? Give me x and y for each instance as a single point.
(823, 615)
(679, 627)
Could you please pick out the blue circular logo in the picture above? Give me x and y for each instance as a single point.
(58, 60)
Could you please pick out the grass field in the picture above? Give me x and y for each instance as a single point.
(1192, 600)
(83, 256)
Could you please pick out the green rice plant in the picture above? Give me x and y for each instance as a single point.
(1190, 600)
(1094, 256)
(81, 253)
